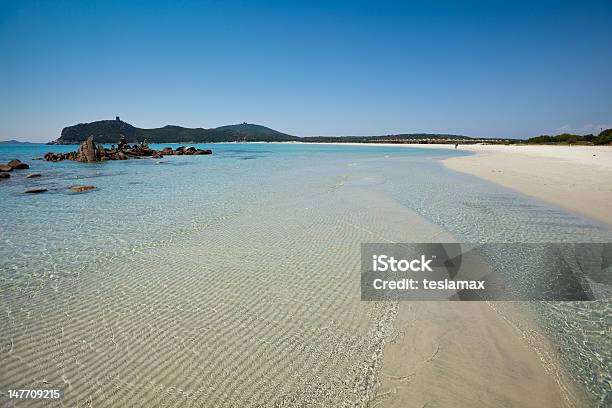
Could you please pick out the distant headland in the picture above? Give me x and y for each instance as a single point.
(109, 131)
(14, 142)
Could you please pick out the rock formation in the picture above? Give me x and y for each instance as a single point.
(18, 165)
(10, 166)
(88, 152)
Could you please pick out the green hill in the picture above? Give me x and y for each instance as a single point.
(249, 129)
(109, 131)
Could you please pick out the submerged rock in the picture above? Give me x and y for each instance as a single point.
(34, 175)
(35, 190)
(80, 189)
(4, 175)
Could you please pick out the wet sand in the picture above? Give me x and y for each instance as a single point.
(469, 354)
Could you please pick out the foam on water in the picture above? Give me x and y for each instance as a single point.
(233, 279)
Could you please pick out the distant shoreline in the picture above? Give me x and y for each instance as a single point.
(447, 143)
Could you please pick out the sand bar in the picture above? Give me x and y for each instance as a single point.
(469, 354)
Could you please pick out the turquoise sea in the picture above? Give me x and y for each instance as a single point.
(194, 280)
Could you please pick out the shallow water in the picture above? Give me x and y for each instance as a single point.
(233, 279)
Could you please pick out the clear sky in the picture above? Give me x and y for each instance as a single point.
(492, 69)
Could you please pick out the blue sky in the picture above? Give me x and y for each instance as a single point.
(490, 69)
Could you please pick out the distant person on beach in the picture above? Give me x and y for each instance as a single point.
(456, 145)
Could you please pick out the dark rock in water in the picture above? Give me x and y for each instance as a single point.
(35, 190)
(80, 189)
(18, 165)
(60, 156)
(182, 150)
(90, 152)
(5, 167)
(4, 175)
(34, 175)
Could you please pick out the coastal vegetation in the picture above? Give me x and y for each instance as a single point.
(605, 137)
(400, 138)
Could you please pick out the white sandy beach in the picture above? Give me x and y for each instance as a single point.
(576, 178)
